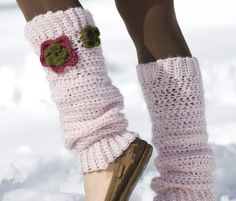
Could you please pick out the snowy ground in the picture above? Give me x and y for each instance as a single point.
(34, 165)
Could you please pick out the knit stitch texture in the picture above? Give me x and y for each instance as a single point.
(173, 91)
(92, 124)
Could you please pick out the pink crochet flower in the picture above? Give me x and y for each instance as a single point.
(58, 53)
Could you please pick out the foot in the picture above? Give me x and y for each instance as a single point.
(96, 184)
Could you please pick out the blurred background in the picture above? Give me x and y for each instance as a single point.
(34, 165)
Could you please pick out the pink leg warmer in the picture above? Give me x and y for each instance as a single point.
(92, 124)
(174, 94)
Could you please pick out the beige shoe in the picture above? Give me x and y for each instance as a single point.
(128, 169)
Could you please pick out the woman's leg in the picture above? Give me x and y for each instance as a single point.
(90, 107)
(30, 8)
(173, 90)
(153, 26)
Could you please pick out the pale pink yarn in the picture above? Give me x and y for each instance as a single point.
(89, 106)
(174, 94)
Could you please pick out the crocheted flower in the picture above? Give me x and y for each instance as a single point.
(90, 36)
(58, 53)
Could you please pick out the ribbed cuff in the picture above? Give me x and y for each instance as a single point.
(185, 195)
(54, 24)
(106, 150)
(175, 67)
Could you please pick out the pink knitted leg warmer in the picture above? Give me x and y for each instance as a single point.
(92, 124)
(174, 94)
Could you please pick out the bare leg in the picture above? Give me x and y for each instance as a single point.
(153, 26)
(33, 8)
(100, 179)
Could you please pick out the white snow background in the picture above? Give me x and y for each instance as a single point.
(35, 166)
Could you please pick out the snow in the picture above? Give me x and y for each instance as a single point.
(35, 165)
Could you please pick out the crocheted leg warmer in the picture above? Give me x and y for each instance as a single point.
(92, 124)
(174, 94)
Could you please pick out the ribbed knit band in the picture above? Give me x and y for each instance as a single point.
(173, 91)
(92, 123)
